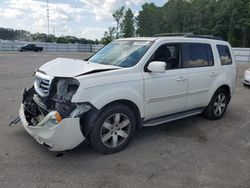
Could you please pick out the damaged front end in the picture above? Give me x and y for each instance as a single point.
(48, 114)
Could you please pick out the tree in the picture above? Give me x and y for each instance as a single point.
(108, 36)
(233, 21)
(118, 15)
(11, 34)
(176, 17)
(149, 20)
(127, 26)
(229, 19)
(62, 40)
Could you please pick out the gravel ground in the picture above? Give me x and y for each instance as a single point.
(193, 152)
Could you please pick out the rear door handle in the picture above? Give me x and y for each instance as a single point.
(181, 78)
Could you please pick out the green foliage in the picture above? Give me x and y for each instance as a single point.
(10, 34)
(127, 26)
(233, 21)
(149, 20)
(109, 36)
(118, 15)
(229, 19)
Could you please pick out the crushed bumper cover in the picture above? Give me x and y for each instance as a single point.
(63, 136)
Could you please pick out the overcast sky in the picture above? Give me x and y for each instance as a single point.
(81, 18)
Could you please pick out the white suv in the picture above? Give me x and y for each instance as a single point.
(128, 84)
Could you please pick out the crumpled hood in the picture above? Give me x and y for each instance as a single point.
(64, 67)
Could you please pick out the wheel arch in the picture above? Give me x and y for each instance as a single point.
(223, 86)
(209, 111)
(88, 120)
(131, 105)
(227, 88)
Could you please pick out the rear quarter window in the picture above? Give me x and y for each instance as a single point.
(225, 55)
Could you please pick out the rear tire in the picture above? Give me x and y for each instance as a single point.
(218, 105)
(113, 129)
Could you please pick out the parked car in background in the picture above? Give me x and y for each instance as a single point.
(246, 79)
(129, 84)
(30, 47)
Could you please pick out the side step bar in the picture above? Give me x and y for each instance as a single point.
(172, 117)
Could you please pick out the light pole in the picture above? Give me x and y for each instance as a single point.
(48, 15)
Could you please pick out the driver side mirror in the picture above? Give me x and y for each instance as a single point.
(157, 66)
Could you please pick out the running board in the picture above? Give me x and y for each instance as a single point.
(172, 117)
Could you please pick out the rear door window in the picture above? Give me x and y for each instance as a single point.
(197, 55)
(225, 56)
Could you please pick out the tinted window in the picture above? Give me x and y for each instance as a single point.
(170, 54)
(198, 55)
(225, 56)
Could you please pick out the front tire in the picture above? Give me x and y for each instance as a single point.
(218, 105)
(113, 129)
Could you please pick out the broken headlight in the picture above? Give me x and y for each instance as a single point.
(62, 95)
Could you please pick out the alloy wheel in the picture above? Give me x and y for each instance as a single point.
(115, 130)
(220, 104)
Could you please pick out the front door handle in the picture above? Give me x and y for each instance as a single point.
(181, 78)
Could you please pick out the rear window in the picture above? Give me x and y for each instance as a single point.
(199, 55)
(225, 56)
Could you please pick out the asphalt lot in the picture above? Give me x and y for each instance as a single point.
(192, 152)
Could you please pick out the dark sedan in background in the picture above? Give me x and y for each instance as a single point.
(30, 47)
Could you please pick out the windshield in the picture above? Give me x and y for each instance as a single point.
(121, 53)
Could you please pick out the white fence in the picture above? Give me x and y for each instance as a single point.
(241, 54)
(50, 47)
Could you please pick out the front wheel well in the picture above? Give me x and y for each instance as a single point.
(131, 106)
(88, 120)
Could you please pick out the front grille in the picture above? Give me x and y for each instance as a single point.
(42, 84)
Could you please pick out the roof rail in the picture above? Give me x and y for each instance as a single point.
(204, 37)
(188, 35)
(171, 34)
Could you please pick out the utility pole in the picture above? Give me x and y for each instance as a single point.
(54, 31)
(48, 15)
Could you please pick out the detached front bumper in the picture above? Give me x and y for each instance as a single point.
(63, 136)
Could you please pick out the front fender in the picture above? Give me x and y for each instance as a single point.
(100, 96)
